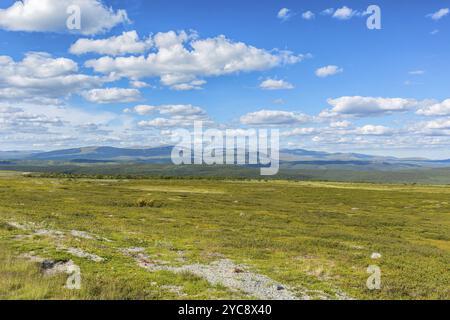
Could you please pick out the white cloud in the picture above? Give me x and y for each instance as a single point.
(374, 130)
(128, 42)
(437, 109)
(181, 109)
(434, 128)
(416, 72)
(308, 15)
(300, 132)
(177, 115)
(272, 84)
(15, 120)
(344, 13)
(139, 84)
(327, 12)
(163, 123)
(328, 71)
(40, 77)
(175, 121)
(112, 95)
(181, 59)
(438, 124)
(340, 124)
(274, 117)
(52, 126)
(193, 85)
(170, 109)
(284, 14)
(439, 14)
(365, 106)
(51, 16)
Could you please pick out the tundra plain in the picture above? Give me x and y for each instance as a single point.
(221, 239)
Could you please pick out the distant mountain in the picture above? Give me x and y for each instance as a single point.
(307, 155)
(15, 155)
(290, 158)
(160, 154)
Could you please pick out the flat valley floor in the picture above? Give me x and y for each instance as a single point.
(221, 239)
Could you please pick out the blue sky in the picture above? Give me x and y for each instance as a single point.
(138, 69)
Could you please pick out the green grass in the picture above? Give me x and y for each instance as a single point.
(314, 235)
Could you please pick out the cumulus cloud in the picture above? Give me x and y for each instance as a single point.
(112, 95)
(18, 120)
(170, 122)
(273, 84)
(139, 84)
(274, 117)
(340, 124)
(437, 124)
(344, 13)
(284, 14)
(128, 42)
(433, 128)
(328, 71)
(180, 59)
(439, 14)
(374, 130)
(40, 77)
(367, 106)
(437, 109)
(193, 85)
(308, 15)
(300, 132)
(168, 109)
(51, 16)
(327, 12)
(51, 126)
(171, 115)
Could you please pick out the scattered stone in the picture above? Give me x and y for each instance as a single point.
(82, 254)
(49, 233)
(17, 225)
(238, 270)
(81, 234)
(222, 272)
(135, 250)
(39, 231)
(22, 236)
(375, 255)
(51, 268)
(87, 236)
(35, 229)
(174, 289)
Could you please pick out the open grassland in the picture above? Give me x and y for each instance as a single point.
(168, 239)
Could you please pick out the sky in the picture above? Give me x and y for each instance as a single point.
(131, 72)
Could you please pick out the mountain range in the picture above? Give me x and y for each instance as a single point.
(290, 158)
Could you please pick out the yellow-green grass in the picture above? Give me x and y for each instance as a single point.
(313, 235)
